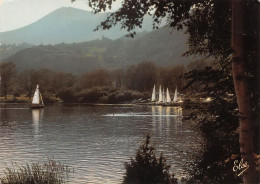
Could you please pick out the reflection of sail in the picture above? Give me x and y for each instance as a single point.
(160, 113)
(166, 119)
(178, 119)
(37, 115)
(168, 113)
(153, 116)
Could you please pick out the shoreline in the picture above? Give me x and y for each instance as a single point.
(184, 104)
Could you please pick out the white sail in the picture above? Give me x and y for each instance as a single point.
(160, 94)
(175, 99)
(36, 96)
(168, 97)
(153, 95)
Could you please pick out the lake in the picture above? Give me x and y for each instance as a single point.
(94, 140)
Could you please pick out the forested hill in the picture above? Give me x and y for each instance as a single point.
(159, 46)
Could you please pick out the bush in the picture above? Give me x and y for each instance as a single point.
(104, 94)
(49, 99)
(91, 95)
(146, 168)
(68, 95)
(123, 96)
(49, 172)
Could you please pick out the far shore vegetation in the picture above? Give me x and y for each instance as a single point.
(100, 86)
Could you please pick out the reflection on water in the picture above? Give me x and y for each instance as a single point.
(37, 115)
(162, 120)
(94, 140)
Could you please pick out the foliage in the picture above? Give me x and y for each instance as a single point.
(91, 95)
(170, 76)
(214, 164)
(124, 96)
(68, 95)
(142, 77)
(96, 78)
(221, 147)
(146, 168)
(7, 73)
(28, 81)
(103, 86)
(49, 172)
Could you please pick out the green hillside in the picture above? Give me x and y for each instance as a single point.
(159, 46)
(7, 50)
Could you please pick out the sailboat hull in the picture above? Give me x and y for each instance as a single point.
(36, 106)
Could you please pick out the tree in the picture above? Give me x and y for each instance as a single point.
(28, 81)
(146, 168)
(117, 76)
(63, 80)
(7, 72)
(96, 78)
(141, 77)
(170, 77)
(45, 78)
(242, 90)
(214, 164)
(208, 24)
(197, 66)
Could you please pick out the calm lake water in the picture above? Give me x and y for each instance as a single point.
(94, 140)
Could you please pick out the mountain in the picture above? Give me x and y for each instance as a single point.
(66, 25)
(163, 47)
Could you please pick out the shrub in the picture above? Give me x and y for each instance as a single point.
(146, 168)
(91, 95)
(49, 99)
(123, 96)
(103, 99)
(49, 172)
(68, 95)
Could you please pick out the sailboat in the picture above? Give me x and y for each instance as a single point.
(175, 99)
(160, 94)
(37, 101)
(153, 95)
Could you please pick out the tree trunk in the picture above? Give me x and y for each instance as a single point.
(242, 92)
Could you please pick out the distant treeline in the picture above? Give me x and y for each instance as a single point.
(104, 86)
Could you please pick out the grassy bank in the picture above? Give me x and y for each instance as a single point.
(13, 99)
(36, 173)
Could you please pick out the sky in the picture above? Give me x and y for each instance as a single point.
(19, 13)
